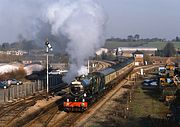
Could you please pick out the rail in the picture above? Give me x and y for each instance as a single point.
(57, 117)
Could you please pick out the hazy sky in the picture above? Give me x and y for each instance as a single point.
(149, 18)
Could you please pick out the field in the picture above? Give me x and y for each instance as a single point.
(144, 109)
(159, 45)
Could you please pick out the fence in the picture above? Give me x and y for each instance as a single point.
(28, 89)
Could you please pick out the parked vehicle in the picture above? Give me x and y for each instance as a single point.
(3, 85)
(56, 72)
(146, 82)
(149, 84)
(14, 82)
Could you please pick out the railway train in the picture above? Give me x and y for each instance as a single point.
(86, 89)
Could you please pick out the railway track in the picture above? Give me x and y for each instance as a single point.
(82, 118)
(73, 119)
(54, 118)
(44, 118)
(57, 117)
(10, 112)
(49, 118)
(102, 65)
(149, 67)
(67, 120)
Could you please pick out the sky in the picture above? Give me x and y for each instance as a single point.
(148, 18)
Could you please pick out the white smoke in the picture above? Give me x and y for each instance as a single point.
(18, 17)
(5, 68)
(8, 68)
(82, 21)
(83, 70)
(33, 67)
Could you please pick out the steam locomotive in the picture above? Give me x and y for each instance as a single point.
(86, 89)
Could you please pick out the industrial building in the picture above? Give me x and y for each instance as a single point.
(128, 51)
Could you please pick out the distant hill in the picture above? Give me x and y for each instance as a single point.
(158, 44)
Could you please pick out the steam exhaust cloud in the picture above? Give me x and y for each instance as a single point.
(82, 22)
(77, 25)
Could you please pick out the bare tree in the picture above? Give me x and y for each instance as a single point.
(169, 50)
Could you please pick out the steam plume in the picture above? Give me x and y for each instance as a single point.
(82, 21)
(74, 25)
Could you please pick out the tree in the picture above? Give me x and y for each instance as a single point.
(177, 38)
(137, 37)
(5, 46)
(130, 38)
(159, 53)
(169, 50)
(148, 59)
